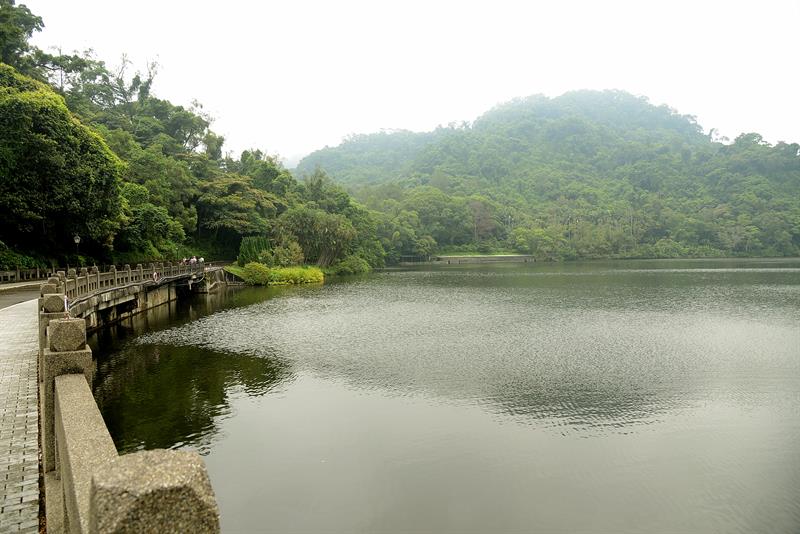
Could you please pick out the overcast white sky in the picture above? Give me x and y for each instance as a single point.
(293, 76)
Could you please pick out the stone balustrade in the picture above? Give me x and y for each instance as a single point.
(22, 275)
(89, 280)
(99, 491)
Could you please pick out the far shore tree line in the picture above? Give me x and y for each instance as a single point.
(90, 151)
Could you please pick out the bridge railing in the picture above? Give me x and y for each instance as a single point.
(22, 275)
(102, 492)
(77, 284)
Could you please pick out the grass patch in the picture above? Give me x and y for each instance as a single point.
(258, 274)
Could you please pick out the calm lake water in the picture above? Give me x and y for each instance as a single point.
(650, 396)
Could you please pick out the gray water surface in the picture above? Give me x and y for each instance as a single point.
(653, 396)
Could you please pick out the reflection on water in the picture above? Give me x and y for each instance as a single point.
(158, 396)
(178, 394)
(610, 396)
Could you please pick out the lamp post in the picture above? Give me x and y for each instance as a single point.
(77, 240)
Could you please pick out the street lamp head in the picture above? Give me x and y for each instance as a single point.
(77, 239)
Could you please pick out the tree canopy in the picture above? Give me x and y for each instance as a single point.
(587, 174)
(57, 177)
(90, 150)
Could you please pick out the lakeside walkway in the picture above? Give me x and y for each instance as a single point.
(19, 423)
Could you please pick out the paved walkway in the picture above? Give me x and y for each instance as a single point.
(9, 297)
(19, 285)
(19, 430)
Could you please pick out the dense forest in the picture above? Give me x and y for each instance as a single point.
(90, 151)
(585, 175)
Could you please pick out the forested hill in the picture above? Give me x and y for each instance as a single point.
(586, 174)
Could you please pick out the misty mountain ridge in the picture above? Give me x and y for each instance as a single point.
(577, 125)
(588, 158)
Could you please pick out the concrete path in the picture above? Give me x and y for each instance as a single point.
(19, 430)
(11, 296)
(18, 285)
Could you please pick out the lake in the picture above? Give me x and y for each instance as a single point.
(627, 396)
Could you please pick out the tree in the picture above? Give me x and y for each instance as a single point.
(230, 207)
(57, 177)
(324, 237)
(17, 25)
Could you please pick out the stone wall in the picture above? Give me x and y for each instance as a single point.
(89, 487)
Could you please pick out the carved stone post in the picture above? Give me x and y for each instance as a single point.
(83, 281)
(66, 353)
(153, 491)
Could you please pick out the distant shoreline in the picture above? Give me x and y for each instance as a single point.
(524, 258)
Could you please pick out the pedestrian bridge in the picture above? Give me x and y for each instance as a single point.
(105, 297)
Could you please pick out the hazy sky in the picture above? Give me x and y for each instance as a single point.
(290, 77)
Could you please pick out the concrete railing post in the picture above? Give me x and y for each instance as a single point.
(56, 281)
(95, 275)
(140, 273)
(72, 274)
(51, 306)
(153, 491)
(113, 271)
(84, 281)
(66, 353)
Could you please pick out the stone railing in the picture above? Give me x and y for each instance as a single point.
(21, 275)
(98, 490)
(89, 280)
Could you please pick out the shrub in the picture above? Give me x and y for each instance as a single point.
(256, 274)
(10, 260)
(288, 254)
(295, 275)
(259, 274)
(350, 265)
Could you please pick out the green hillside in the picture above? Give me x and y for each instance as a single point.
(586, 174)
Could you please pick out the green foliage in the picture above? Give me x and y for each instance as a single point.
(585, 175)
(350, 265)
(323, 236)
(57, 177)
(284, 255)
(251, 248)
(10, 260)
(146, 227)
(259, 274)
(296, 275)
(588, 174)
(17, 25)
(256, 274)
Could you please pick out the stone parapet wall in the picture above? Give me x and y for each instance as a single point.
(90, 488)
